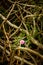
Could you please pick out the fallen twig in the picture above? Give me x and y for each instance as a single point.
(31, 51)
(32, 39)
(23, 60)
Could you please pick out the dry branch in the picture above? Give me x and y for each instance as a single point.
(31, 51)
(32, 39)
(23, 60)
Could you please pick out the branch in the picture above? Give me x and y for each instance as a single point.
(5, 50)
(23, 60)
(32, 39)
(9, 13)
(31, 51)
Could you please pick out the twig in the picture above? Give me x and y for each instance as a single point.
(29, 5)
(15, 31)
(11, 1)
(8, 9)
(34, 30)
(29, 16)
(40, 16)
(5, 33)
(31, 51)
(31, 57)
(32, 39)
(5, 50)
(23, 21)
(23, 60)
(9, 13)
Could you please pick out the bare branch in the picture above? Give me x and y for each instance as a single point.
(32, 39)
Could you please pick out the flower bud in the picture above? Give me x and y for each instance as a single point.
(22, 42)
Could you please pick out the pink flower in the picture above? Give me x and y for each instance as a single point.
(22, 42)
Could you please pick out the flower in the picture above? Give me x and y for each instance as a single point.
(22, 42)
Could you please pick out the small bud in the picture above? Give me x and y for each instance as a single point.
(22, 42)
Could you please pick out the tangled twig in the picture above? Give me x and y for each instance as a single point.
(32, 39)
